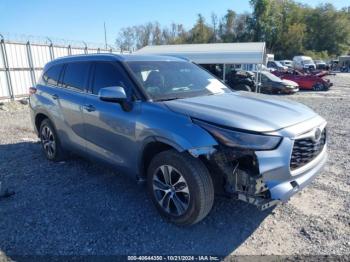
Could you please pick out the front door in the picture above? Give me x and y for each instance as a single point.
(109, 130)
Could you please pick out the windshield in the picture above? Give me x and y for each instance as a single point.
(167, 80)
(278, 64)
(270, 76)
(307, 62)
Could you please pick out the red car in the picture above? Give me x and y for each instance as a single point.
(305, 81)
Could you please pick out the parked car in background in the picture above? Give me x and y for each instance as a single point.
(287, 63)
(305, 81)
(334, 64)
(240, 80)
(320, 64)
(344, 63)
(167, 121)
(271, 84)
(276, 65)
(303, 63)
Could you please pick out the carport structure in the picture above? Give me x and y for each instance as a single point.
(224, 54)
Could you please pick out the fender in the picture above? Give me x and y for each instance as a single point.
(175, 129)
(159, 124)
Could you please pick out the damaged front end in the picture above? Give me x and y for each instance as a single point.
(235, 173)
(241, 177)
(265, 169)
(234, 164)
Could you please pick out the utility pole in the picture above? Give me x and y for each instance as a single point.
(104, 25)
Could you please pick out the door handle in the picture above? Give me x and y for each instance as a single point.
(89, 108)
(55, 97)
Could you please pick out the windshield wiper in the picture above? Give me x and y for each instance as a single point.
(168, 99)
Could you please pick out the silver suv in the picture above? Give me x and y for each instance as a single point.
(172, 124)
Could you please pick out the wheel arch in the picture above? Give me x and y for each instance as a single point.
(39, 118)
(152, 146)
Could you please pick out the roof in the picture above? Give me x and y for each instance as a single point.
(111, 57)
(215, 53)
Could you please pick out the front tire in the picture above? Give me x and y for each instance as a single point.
(318, 87)
(180, 187)
(50, 143)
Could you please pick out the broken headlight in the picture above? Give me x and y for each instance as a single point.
(241, 139)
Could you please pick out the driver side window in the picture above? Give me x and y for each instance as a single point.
(107, 74)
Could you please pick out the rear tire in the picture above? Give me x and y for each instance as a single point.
(180, 187)
(50, 142)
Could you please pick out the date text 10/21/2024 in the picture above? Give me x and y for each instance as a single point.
(173, 258)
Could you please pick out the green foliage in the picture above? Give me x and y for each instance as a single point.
(227, 27)
(323, 55)
(201, 32)
(288, 28)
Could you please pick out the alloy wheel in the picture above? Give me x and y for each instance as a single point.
(48, 141)
(171, 190)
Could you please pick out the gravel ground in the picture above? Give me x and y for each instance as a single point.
(77, 207)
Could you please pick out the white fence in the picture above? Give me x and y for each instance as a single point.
(21, 64)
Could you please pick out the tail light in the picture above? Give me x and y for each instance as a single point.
(32, 90)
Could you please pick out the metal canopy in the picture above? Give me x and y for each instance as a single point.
(216, 53)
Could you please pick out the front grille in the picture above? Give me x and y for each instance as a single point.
(306, 149)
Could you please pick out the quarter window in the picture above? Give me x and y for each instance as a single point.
(51, 76)
(76, 75)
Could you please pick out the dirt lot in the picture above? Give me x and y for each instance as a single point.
(77, 207)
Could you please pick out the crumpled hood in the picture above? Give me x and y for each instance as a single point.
(243, 110)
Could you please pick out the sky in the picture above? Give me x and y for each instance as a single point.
(82, 20)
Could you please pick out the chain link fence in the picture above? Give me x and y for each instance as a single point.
(21, 61)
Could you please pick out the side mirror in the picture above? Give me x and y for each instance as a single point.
(112, 94)
(115, 94)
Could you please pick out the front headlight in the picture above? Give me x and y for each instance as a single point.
(240, 139)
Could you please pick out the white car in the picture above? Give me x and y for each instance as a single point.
(303, 63)
(320, 64)
(287, 63)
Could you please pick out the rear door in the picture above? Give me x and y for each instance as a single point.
(71, 99)
(47, 93)
(110, 131)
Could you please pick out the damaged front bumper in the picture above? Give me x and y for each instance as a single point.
(283, 183)
(266, 178)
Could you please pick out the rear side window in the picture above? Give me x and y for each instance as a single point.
(109, 74)
(52, 75)
(76, 75)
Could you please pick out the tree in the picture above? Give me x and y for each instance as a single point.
(214, 23)
(201, 32)
(260, 21)
(126, 39)
(242, 31)
(157, 37)
(175, 35)
(327, 29)
(228, 26)
(293, 40)
(288, 28)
